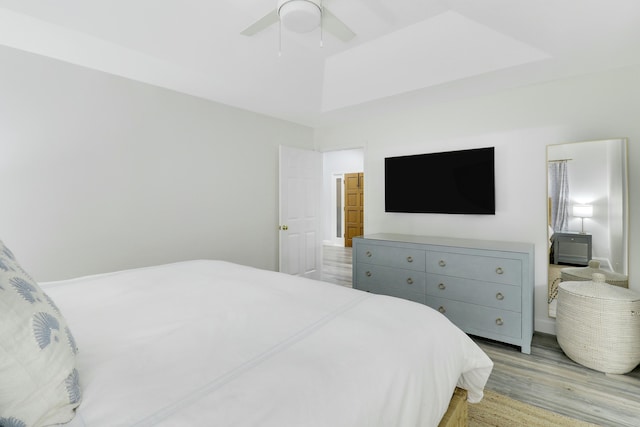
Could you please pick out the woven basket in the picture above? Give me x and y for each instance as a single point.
(585, 273)
(598, 325)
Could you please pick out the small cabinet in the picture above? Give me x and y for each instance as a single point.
(571, 248)
(484, 287)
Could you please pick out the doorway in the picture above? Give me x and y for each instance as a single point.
(331, 233)
(337, 165)
(336, 257)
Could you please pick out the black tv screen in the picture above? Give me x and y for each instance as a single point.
(452, 182)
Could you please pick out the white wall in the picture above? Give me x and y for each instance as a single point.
(100, 173)
(520, 123)
(336, 163)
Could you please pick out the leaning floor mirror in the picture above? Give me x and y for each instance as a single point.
(588, 213)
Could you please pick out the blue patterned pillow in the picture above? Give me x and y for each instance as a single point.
(38, 381)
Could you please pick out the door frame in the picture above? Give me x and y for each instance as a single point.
(337, 240)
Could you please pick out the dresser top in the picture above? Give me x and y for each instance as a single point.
(570, 233)
(450, 241)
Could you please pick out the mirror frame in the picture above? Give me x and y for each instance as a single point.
(551, 289)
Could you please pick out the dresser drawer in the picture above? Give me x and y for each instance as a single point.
(497, 295)
(479, 320)
(404, 293)
(410, 259)
(484, 268)
(396, 278)
(584, 239)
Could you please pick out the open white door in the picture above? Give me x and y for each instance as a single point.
(300, 196)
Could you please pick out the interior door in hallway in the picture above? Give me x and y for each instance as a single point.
(353, 206)
(300, 199)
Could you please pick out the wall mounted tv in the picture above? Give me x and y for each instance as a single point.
(452, 182)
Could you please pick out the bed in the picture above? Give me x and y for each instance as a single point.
(214, 343)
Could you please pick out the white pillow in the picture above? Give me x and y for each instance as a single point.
(38, 380)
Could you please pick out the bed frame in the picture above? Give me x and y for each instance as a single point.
(457, 413)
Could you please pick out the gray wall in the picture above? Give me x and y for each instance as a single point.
(520, 123)
(99, 173)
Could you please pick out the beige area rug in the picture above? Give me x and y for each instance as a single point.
(501, 411)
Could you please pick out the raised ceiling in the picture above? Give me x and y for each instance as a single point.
(405, 52)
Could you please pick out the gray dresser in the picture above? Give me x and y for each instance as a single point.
(484, 287)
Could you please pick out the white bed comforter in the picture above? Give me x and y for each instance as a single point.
(210, 343)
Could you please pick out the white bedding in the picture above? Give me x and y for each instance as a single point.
(210, 343)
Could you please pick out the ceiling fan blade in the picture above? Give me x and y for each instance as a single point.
(333, 25)
(261, 24)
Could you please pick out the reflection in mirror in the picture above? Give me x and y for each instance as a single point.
(587, 195)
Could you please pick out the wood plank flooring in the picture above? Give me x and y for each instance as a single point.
(336, 265)
(546, 377)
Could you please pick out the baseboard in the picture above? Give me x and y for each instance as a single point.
(545, 325)
(605, 264)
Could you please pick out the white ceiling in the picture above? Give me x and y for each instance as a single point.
(406, 52)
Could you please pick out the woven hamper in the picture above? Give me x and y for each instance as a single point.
(586, 273)
(598, 325)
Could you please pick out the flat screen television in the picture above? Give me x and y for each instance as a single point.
(452, 182)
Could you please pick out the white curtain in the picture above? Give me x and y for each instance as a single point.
(559, 193)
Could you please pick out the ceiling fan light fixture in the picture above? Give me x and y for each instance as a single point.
(301, 16)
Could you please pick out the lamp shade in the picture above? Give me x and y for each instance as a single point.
(300, 16)
(583, 211)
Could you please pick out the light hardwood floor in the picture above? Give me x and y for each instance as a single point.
(545, 378)
(549, 379)
(336, 265)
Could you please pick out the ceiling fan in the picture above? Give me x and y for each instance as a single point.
(302, 16)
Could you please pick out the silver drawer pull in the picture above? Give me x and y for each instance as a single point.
(368, 253)
(410, 281)
(442, 286)
(442, 310)
(409, 259)
(499, 321)
(441, 263)
(499, 296)
(368, 274)
(499, 270)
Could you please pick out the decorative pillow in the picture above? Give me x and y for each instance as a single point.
(38, 380)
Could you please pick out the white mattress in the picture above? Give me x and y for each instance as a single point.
(210, 343)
